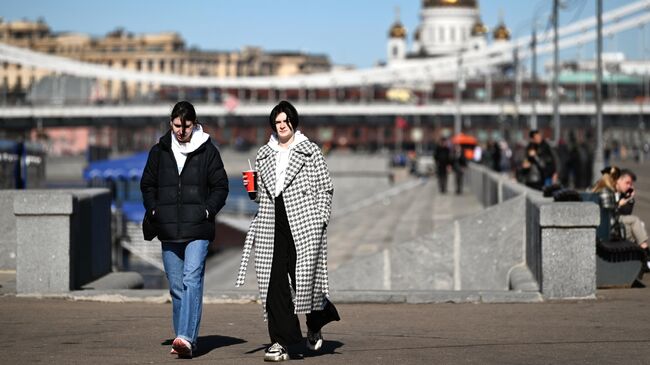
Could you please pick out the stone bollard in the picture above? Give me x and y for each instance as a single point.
(567, 233)
(62, 239)
(43, 263)
(7, 231)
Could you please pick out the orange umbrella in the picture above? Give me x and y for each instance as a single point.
(463, 139)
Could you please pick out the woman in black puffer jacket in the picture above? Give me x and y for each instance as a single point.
(184, 185)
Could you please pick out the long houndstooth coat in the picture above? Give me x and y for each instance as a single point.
(307, 194)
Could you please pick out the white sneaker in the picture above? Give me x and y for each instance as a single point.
(182, 348)
(314, 340)
(276, 353)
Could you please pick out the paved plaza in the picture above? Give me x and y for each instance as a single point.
(613, 329)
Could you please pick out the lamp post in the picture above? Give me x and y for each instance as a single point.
(533, 86)
(598, 157)
(458, 94)
(556, 71)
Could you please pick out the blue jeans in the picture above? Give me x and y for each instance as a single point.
(185, 265)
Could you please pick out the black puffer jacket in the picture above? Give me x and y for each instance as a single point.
(180, 201)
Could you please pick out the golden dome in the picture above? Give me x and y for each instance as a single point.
(501, 33)
(479, 29)
(397, 30)
(455, 3)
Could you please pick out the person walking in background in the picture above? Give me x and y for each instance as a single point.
(495, 153)
(442, 157)
(289, 233)
(184, 185)
(459, 164)
(584, 170)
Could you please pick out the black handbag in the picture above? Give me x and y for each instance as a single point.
(149, 230)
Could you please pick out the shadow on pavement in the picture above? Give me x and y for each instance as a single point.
(205, 344)
(329, 348)
(299, 351)
(260, 348)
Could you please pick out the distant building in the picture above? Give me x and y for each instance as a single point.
(446, 27)
(613, 63)
(622, 79)
(157, 53)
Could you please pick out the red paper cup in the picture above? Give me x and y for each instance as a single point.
(251, 178)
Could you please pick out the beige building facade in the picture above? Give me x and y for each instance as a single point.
(164, 53)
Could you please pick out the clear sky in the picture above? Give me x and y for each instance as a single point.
(348, 31)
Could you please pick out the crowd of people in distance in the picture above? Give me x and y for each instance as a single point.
(566, 166)
(570, 166)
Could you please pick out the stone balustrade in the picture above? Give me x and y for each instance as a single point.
(560, 237)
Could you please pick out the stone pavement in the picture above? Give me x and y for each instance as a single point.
(400, 214)
(613, 329)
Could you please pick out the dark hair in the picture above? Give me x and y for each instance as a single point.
(608, 180)
(292, 115)
(185, 111)
(532, 133)
(628, 172)
(613, 171)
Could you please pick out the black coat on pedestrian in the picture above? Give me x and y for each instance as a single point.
(547, 159)
(459, 161)
(180, 201)
(442, 157)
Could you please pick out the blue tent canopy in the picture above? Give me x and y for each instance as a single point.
(125, 173)
(122, 176)
(125, 168)
(133, 211)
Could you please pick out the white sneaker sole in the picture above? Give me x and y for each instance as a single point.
(276, 358)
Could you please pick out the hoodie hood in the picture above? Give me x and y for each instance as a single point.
(298, 138)
(199, 137)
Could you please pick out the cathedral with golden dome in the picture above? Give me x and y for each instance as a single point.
(446, 27)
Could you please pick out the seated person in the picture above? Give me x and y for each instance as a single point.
(606, 189)
(634, 227)
(614, 190)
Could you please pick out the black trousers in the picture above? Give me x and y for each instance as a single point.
(442, 180)
(283, 323)
(459, 180)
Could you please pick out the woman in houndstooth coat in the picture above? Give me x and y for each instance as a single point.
(294, 192)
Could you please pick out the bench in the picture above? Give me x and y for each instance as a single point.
(618, 263)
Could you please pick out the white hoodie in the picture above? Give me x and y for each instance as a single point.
(181, 150)
(282, 158)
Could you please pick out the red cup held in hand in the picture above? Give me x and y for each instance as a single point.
(250, 177)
